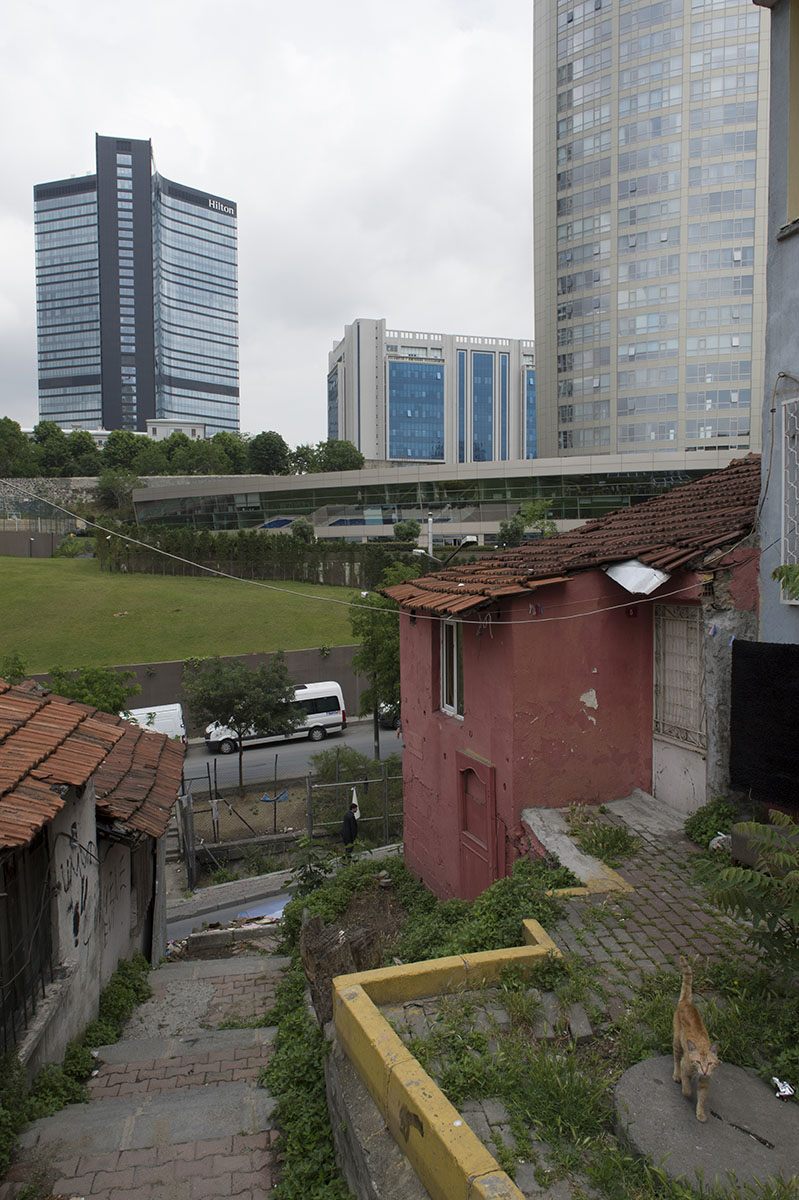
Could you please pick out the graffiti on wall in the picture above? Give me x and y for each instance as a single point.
(73, 881)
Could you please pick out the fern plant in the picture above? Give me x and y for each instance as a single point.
(767, 894)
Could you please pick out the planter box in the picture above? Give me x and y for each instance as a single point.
(742, 850)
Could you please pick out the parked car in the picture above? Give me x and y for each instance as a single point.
(388, 715)
(324, 713)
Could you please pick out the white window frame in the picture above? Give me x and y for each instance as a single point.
(452, 668)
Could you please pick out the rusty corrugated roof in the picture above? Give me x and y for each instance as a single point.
(675, 530)
(48, 743)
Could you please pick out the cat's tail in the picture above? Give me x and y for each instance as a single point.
(686, 991)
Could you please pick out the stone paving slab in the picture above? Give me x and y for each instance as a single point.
(219, 1040)
(193, 996)
(161, 1065)
(749, 1133)
(240, 1165)
(137, 1122)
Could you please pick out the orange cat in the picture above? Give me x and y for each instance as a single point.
(693, 1053)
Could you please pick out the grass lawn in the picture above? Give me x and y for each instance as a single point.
(66, 612)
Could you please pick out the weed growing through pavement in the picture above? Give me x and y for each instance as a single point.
(610, 843)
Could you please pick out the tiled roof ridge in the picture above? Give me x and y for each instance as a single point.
(667, 532)
(49, 743)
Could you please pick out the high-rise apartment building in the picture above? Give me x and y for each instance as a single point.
(432, 397)
(137, 297)
(650, 181)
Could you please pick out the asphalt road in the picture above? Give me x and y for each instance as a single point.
(293, 757)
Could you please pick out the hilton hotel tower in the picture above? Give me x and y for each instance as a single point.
(137, 297)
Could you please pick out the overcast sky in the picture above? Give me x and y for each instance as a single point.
(380, 156)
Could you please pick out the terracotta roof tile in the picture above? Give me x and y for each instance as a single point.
(48, 743)
(674, 530)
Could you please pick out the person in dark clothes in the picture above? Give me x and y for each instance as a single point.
(349, 828)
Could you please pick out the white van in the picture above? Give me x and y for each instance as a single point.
(163, 718)
(325, 713)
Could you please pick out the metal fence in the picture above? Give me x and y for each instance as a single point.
(379, 796)
(379, 799)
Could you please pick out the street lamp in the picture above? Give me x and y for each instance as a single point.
(470, 539)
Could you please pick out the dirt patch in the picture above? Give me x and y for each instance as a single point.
(357, 941)
(378, 910)
(239, 816)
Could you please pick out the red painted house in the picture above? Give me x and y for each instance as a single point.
(535, 678)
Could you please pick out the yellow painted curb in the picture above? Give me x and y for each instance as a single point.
(446, 1154)
(451, 1161)
(604, 879)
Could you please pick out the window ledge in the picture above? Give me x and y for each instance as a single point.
(788, 230)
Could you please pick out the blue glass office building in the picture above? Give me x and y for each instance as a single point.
(432, 397)
(137, 297)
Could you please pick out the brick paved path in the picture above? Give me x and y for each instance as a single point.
(175, 1113)
(631, 934)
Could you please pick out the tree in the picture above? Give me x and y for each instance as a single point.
(121, 447)
(336, 455)
(302, 459)
(51, 451)
(267, 454)
(302, 530)
(114, 489)
(102, 687)
(84, 457)
(17, 454)
(374, 621)
(151, 459)
(530, 516)
(230, 693)
(788, 576)
(407, 531)
(12, 667)
(766, 895)
(332, 455)
(234, 447)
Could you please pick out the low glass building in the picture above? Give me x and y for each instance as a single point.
(364, 505)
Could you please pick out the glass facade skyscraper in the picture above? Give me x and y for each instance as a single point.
(137, 297)
(650, 179)
(432, 397)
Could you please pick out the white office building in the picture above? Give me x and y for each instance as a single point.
(650, 187)
(432, 397)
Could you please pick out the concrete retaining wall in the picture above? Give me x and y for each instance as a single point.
(161, 683)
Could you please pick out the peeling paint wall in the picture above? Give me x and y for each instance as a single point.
(561, 709)
(725, 614)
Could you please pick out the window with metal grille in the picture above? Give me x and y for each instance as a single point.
(679, 676)
(790, 486)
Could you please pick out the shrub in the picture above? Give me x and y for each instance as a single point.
(52, 1090)
(295, 1075)
(717, 816)
(13, 1101)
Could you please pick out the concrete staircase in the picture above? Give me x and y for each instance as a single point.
(174, 1106)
